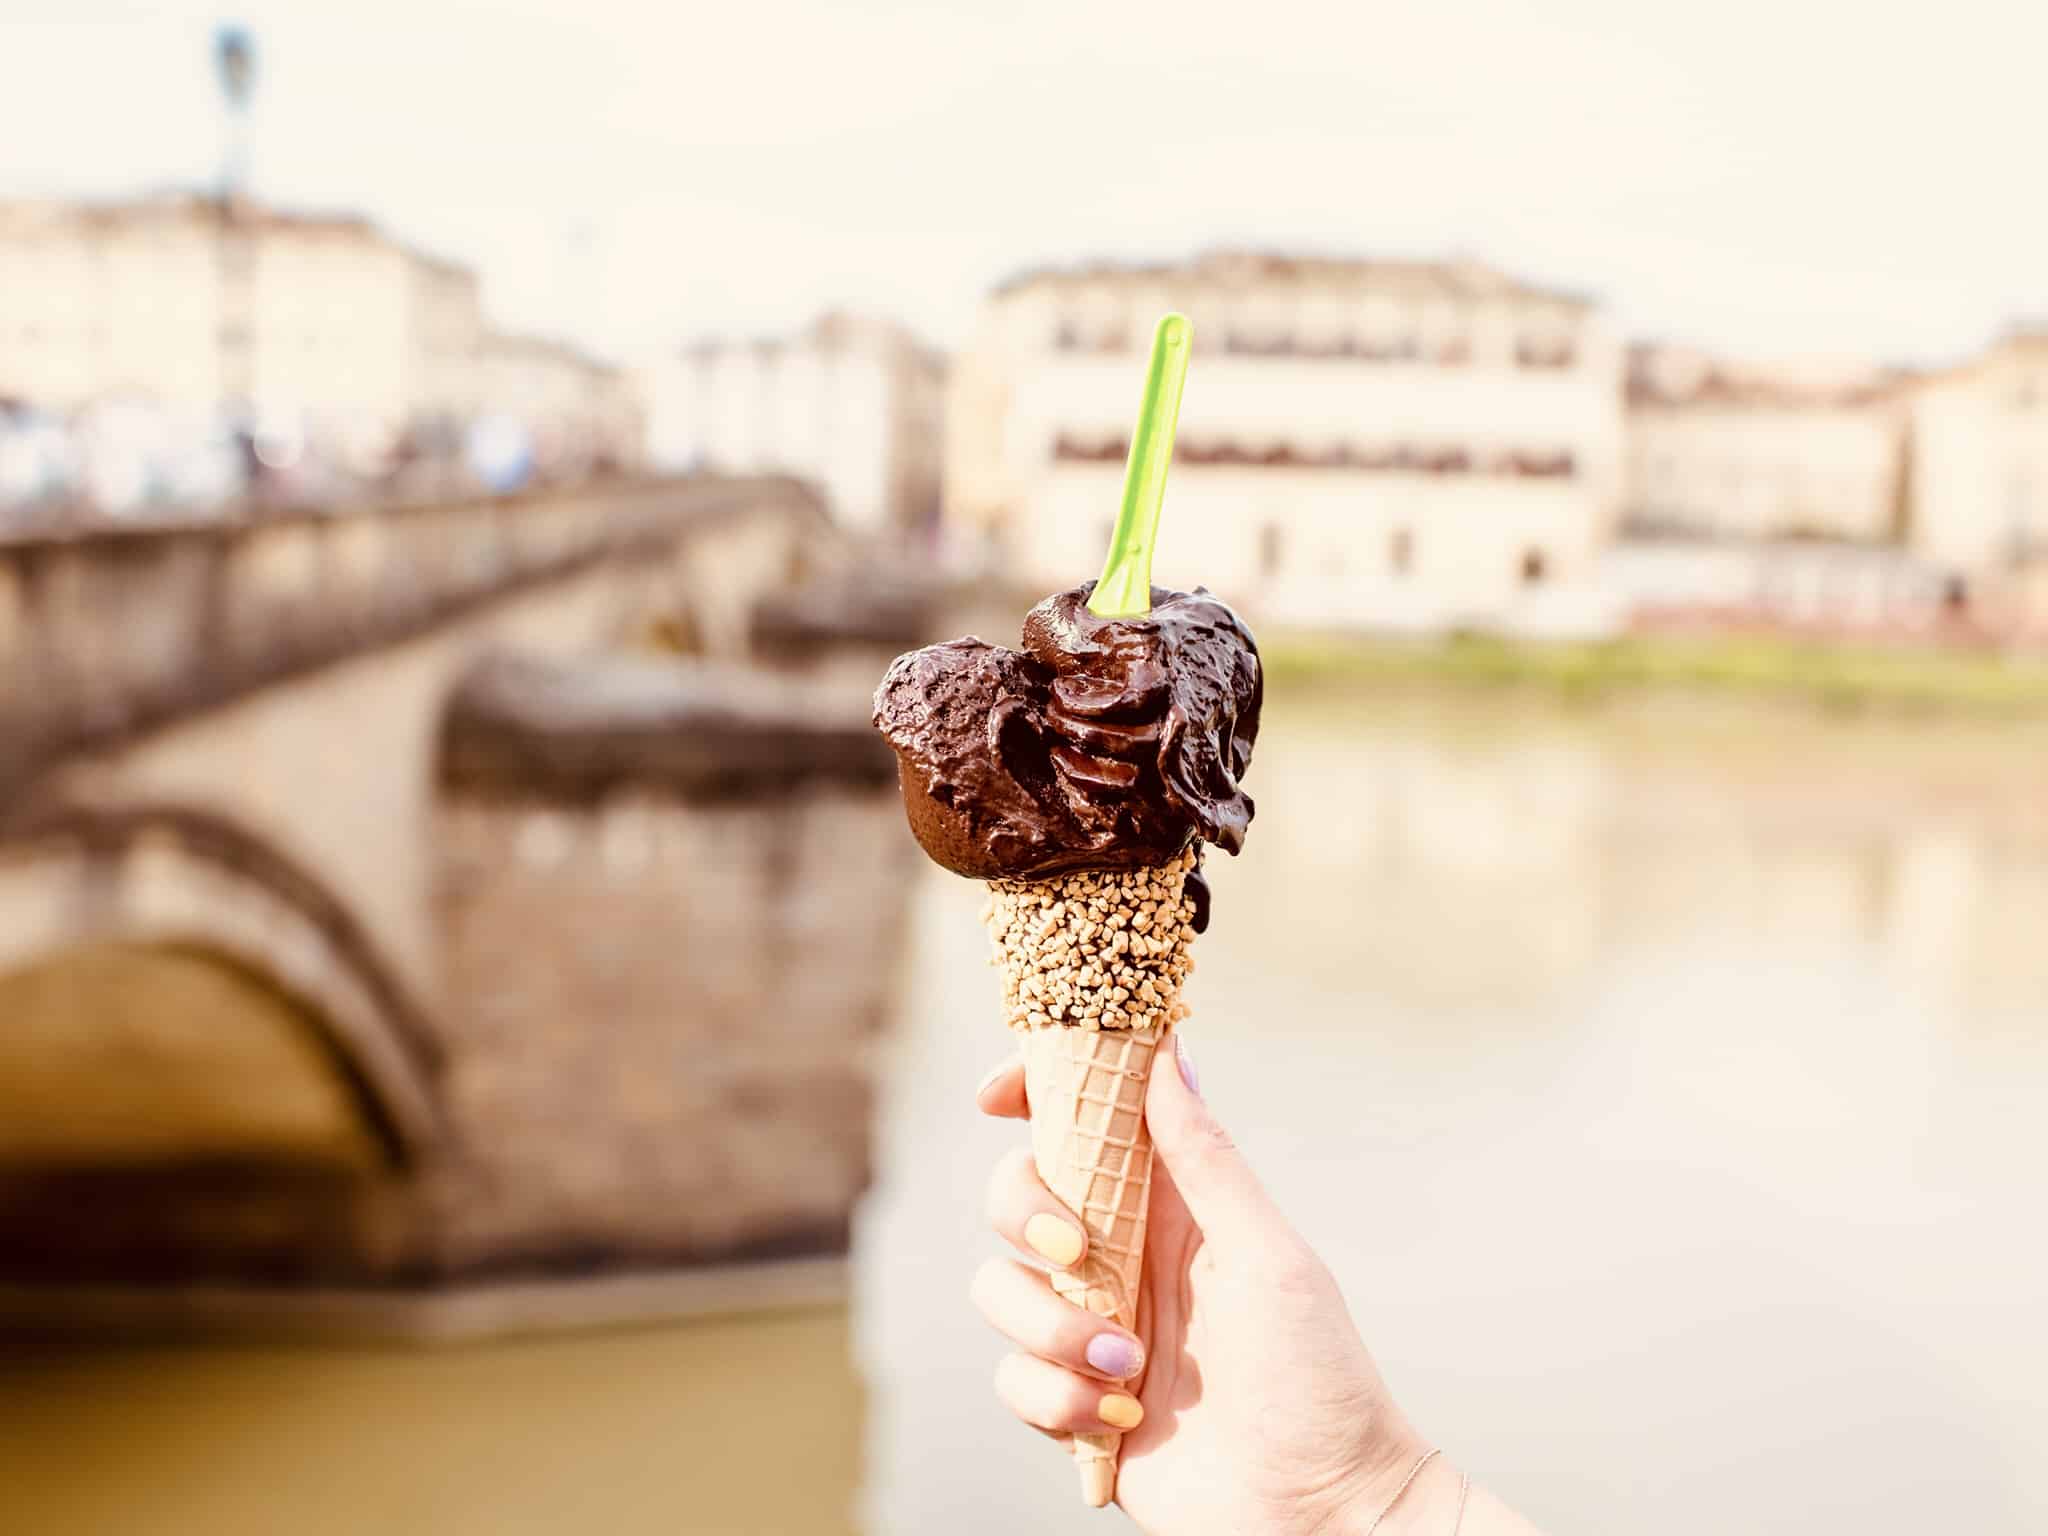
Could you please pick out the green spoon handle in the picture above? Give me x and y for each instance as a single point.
(1125, 590)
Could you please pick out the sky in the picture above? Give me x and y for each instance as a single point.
(1787, 180)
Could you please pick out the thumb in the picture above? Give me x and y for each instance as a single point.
(1222, 1193)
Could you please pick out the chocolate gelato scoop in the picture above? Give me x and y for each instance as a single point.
(1103, 744)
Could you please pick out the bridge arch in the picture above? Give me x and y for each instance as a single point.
(168, 899)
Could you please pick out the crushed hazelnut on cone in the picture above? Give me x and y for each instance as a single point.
(1095, 949)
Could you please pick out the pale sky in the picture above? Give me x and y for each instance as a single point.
(1776, 177)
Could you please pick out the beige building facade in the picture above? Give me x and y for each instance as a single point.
(583, 413)
(108, 301)
(182, 304)
(852, 403)
(1980, 458)
(189, 307)
(1378, 444)
(1724, 451)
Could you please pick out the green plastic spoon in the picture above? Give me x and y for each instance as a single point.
(1125, 590)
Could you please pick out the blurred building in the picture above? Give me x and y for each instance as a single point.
(1818, 587)
(1378, 443)
(1729, 451)
(148, 331)
(132, 300)
(852, 403)
(1980, 457)
(583, 414)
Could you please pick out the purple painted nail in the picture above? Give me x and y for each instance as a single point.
(1114, 1355)
(1187, 1065)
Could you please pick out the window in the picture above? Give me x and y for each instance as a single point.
(1545, 351)
(1401, 552)
(1270, 548)
(1535, 568)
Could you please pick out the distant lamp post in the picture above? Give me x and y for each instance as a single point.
(234, 51)
(234, 57)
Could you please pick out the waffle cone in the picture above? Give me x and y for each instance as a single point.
(1092, 969)
(1088, 1137)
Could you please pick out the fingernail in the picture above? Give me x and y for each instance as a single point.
(1119, 1410)
(1187, 1066)
(1057, 1242)
(1114, 1355)
(994, 1072)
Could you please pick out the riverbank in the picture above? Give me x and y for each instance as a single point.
(1837, 678)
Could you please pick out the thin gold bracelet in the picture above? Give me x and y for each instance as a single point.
(1464, 1488)
(1387, 1508)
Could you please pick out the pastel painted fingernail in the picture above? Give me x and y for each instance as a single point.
(1114, 1355)
(1187, 1066)
(1057, 1242)
(1119, 1410)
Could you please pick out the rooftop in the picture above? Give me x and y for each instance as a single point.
(524, 344)
(1229, 267)
(2028, 334)
(188, 207)
(836, 330)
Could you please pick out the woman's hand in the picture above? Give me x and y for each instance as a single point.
(1248, 1401)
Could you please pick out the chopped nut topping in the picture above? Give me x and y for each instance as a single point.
(1094, 950)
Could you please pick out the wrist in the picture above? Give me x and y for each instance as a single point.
(1406, 1496)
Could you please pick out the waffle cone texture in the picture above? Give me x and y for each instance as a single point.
(1092, 968)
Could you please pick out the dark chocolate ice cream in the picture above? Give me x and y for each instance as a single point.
(1104, 744)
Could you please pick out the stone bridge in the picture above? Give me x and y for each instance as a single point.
(437, 891)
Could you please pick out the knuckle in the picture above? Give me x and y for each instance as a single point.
(1011, 1384)
(987, 1285)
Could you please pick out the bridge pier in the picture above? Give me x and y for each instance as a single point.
(683, 1073)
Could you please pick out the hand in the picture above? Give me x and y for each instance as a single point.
(1262, 1410)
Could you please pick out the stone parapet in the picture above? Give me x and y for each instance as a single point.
(105, 634)
(580, 732)
(843, 632)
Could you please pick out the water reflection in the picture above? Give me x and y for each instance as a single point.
(749, 1427)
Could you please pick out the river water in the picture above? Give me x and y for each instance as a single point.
(1665, 1085)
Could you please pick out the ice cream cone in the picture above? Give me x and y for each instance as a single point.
(1088, 1136)
(1092, 970)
